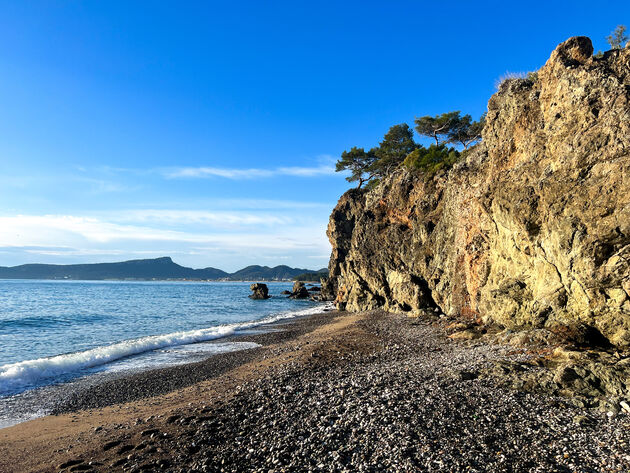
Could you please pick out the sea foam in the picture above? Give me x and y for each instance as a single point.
(16, 377)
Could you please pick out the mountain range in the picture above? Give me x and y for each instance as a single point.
(147, 269)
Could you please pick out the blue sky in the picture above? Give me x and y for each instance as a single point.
(208, 131)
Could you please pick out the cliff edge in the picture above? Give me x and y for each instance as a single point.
(530, 229)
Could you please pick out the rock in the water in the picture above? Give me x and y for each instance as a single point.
(286, 293)
(260, 291)
(299, 291)
(531, 229)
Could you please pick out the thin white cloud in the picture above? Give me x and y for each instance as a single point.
(101, 186)
(218, 219)
(255, 205)
(306, 171)
(252, 173)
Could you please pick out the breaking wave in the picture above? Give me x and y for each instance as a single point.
(16, 377)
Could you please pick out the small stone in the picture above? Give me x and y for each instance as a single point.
(465, 335)
(112, 444)
(69, 463)
(144, 433)
(125, 449)
(580, 420)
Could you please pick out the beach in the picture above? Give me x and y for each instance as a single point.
(367, 391)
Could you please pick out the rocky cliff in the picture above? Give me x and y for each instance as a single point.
(530, 229)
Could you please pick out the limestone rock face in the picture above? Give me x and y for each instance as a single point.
(531, 229)
(328, 289)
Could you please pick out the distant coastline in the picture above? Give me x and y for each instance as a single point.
(157, 269)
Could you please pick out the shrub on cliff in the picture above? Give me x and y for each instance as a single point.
(430, 160)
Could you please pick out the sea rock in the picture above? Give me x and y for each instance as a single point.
(299, 291)
(260, 291)
(531, 229)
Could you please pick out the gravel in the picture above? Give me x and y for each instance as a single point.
(417, 402)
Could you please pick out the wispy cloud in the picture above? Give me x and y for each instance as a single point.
(218, 218)
(101, 186)
(271, 204)
(251, 173)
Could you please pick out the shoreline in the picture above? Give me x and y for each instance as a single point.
(102, 387)
(132, 386)
(112, 398)
(371, 391)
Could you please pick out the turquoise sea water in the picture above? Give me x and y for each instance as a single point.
(52, 331)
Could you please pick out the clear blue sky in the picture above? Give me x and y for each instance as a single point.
(207, 131)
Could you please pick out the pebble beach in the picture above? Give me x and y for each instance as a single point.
(330, 392)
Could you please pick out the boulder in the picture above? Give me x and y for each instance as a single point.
(299, 291)
(259, 291)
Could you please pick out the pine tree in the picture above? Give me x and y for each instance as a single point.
(618, 37)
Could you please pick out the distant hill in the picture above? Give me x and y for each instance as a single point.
(265, 272)
(145, 269)
(312, 275)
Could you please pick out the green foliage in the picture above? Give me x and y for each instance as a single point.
(618, 37)
(372, 183)
(532, 76)
(438, 126)
(358, 162)
(399, 148)
(368, 166)
(430, 160)
(465, 132)
(392, 151)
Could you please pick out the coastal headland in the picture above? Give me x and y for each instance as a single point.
(368, 391)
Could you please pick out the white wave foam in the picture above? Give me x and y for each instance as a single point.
(24, 374)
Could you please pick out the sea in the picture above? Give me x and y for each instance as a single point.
(56, 333)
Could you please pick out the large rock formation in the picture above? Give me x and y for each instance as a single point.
(259, 291)
(531, 229)
(299, 291)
